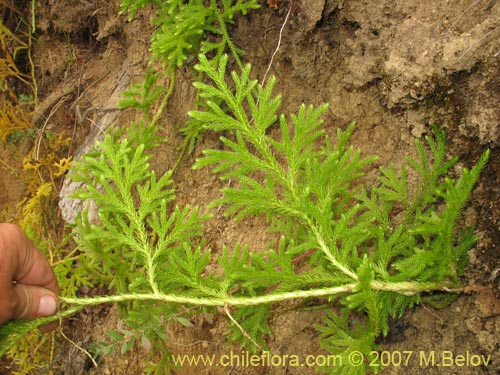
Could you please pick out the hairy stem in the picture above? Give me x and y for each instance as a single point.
(406, 288)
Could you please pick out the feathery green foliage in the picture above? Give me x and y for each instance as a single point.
(138, 227)
(143, 95)
(182, 27)
(373, 249)
(376, 238)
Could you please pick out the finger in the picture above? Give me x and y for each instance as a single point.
(21, 262)
(33, 302)
(31, 267)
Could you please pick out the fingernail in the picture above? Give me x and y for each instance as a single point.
(47, 305)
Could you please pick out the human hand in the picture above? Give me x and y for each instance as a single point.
(28, 286)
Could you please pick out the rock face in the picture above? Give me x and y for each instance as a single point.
(106, 118)
(424, 51)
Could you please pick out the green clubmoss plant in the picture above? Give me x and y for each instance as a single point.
(183, 26)
(390, 242)
(183, 29)
(374, 250)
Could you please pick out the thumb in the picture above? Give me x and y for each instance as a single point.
(33, 302)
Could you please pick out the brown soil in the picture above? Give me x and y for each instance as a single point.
(393, 67)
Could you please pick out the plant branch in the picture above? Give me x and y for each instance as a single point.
(405, 288)
(324, 248)
(165, 99)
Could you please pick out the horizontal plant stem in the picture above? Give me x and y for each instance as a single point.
(409, 288)
(406, 288)
(211, 301)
